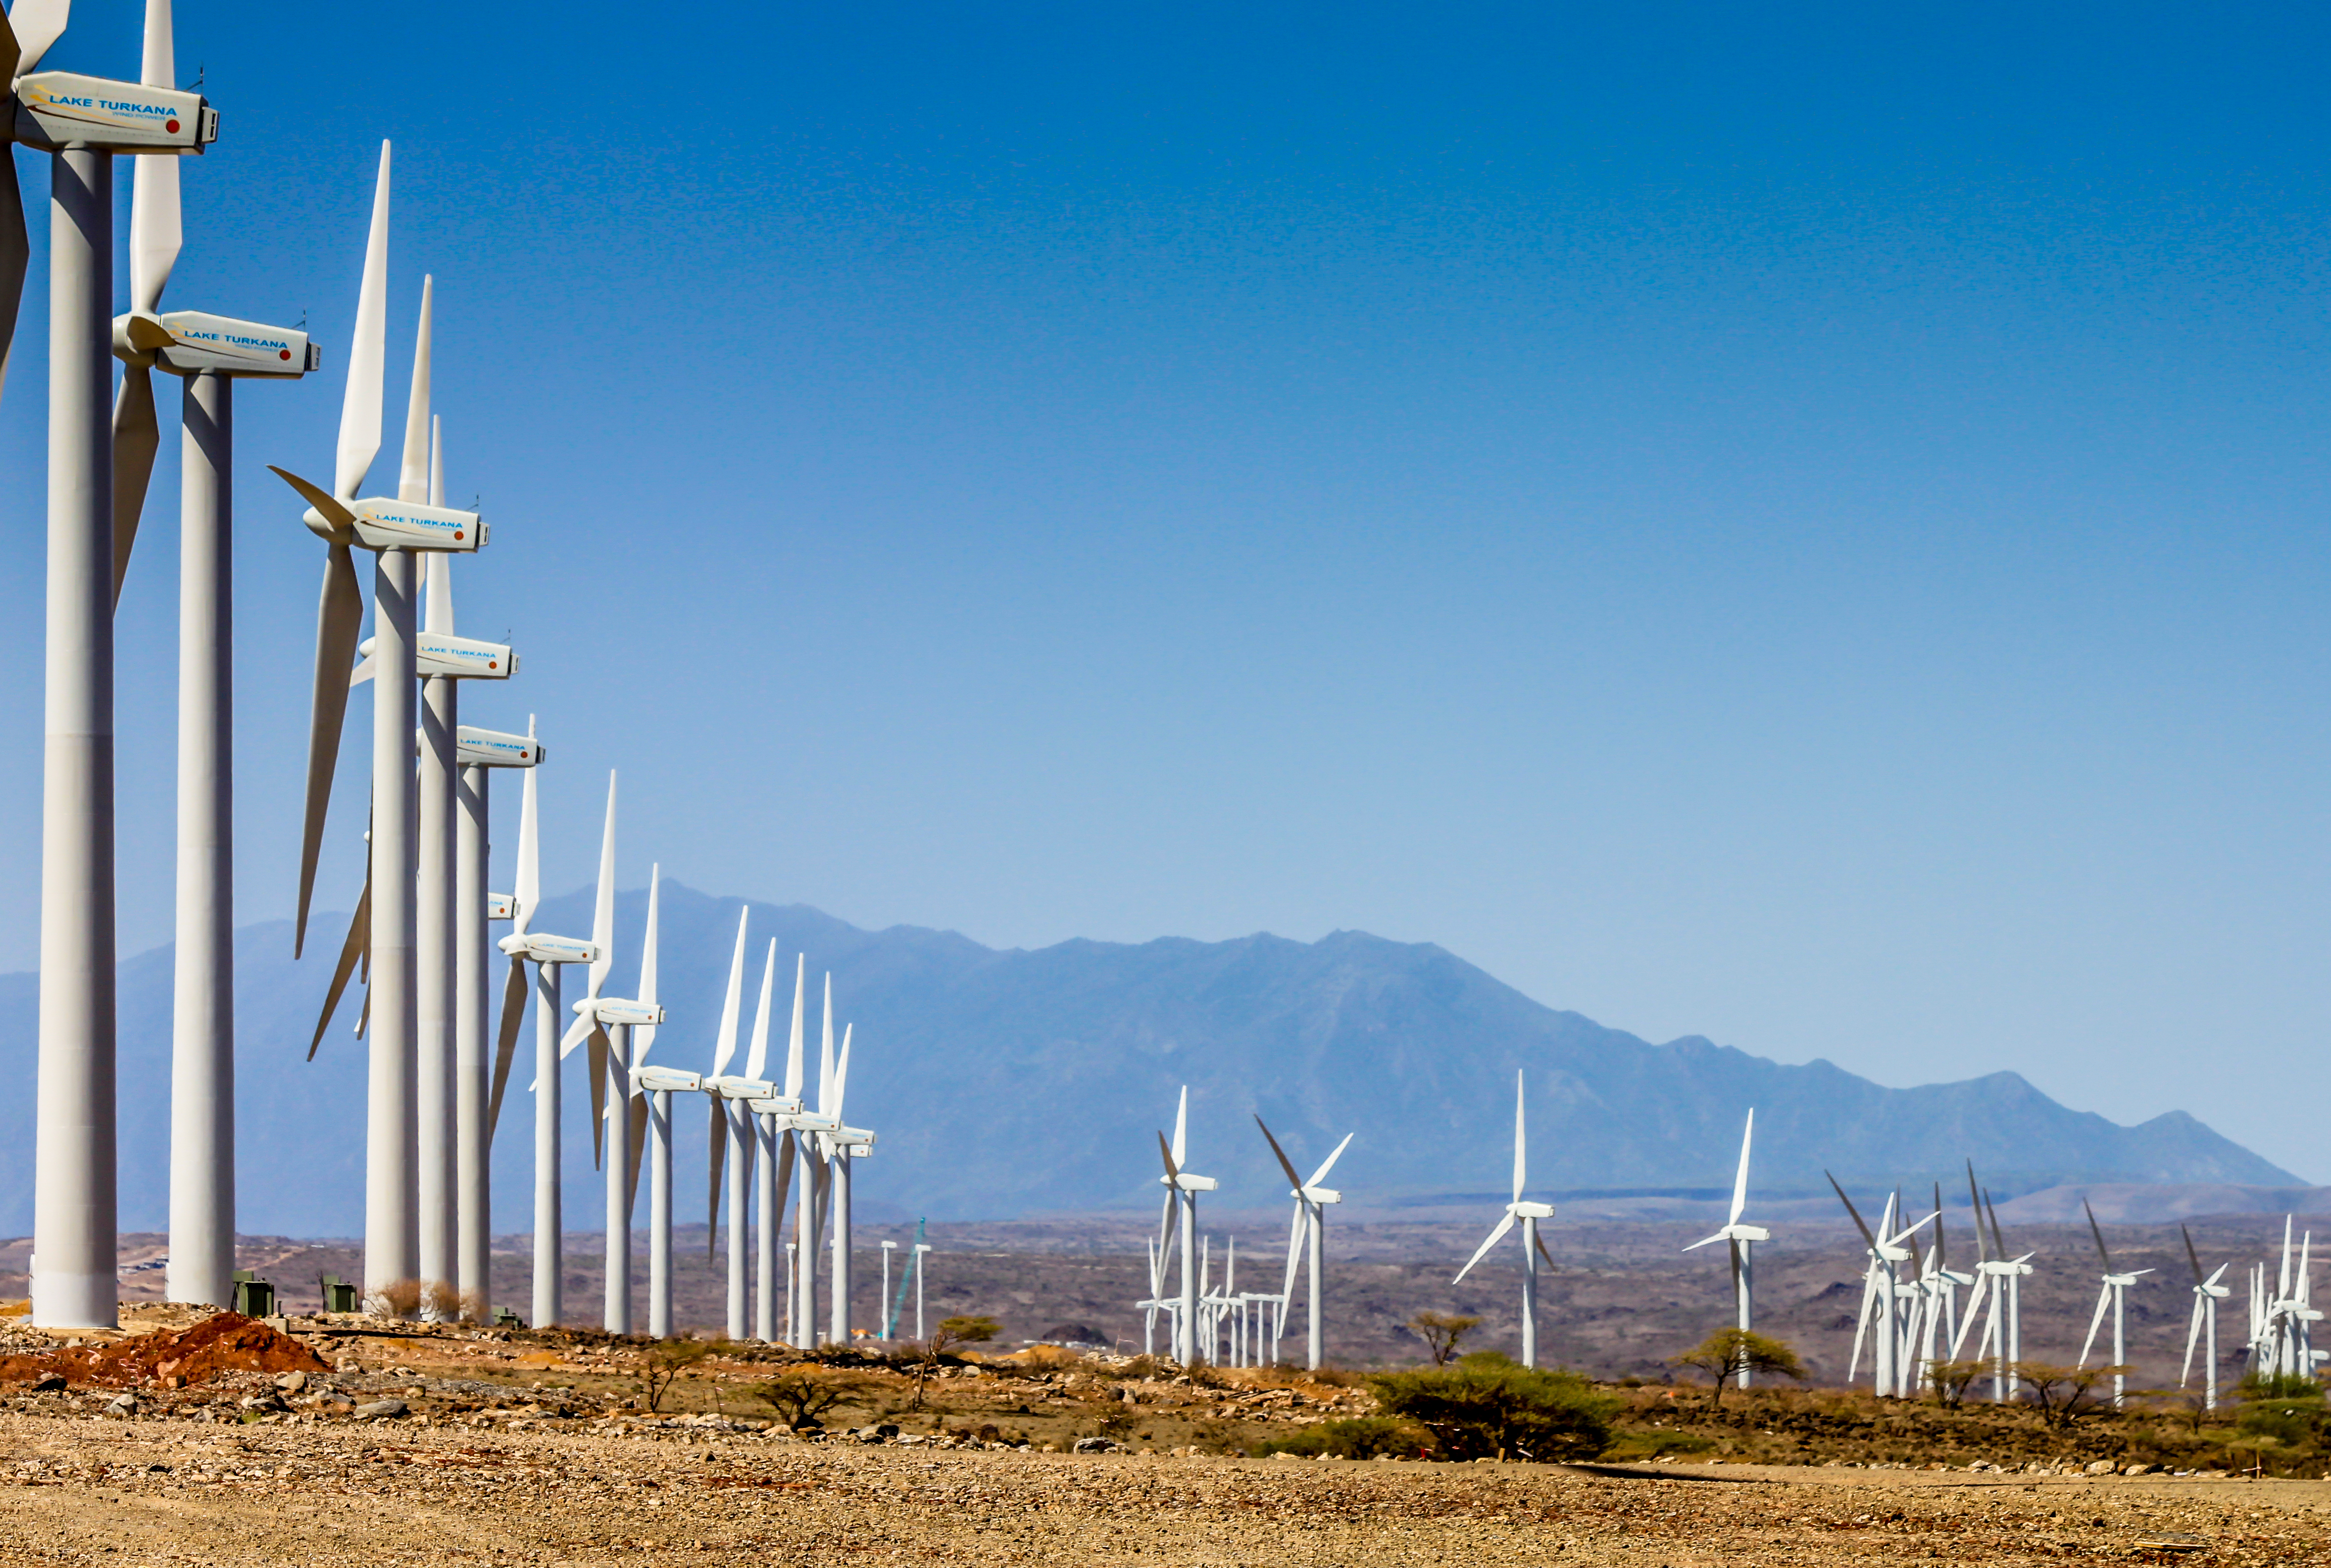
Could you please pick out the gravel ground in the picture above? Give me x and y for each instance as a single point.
(85, 1489)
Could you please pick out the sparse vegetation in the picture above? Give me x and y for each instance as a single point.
(1442, 1331)
(2062, 1393)
(1725, 1355)
(665, 1361)
(1359, 1438)
(804, 1395)
(1488, 1407)
(951, 1335)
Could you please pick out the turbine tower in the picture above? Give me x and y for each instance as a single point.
(1742, 1240)
(2115, 1297)
(779, 1142)
(729, 1137)
(477, 1090)
(548, 954)
(1310, 1224)
(84, 122)
(397, 530)
(2207, 1294)
(1528, 1215)
(210, 353)
(1182, 1189)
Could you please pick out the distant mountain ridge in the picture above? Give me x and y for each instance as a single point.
(1009, 1082)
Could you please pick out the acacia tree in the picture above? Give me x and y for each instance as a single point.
(2063, 1394)
(1950, 1379)
(1440, 1331)
(1729, 1352)
(951, 1333)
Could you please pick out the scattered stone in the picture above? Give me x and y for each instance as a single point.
(1097, 1446)
(380, 1409)
(291, 1381)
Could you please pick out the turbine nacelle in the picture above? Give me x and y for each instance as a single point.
(380, 523)
(501, 905)
(475, 747)
(56, 110)
(1733, 1234)
(665, 1080)
(541, 948)
(620, 1009)
(1318, 1194)
(1530, 1211)
(441, 653)
(732, 1088)
(184, 342)
(774, 1106)
(1185, 1182)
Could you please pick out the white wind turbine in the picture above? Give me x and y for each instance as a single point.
(1888, 1310)
(477, 1092)
(1182, 1189)
(1941, 1285)
(397, 530)
(1742, 1240)
(83, 121)
(2207, 1293)
(548, 954)
(840, 1145)
(655, 1086)
(729, 1135)
(1528, 1215)
(210, 353)
(2115, 1298)
(776, 1143)
(1310, 1224)
(1998, 1277)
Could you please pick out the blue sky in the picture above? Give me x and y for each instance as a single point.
(1800, 527)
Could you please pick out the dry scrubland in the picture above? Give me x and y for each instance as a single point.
(413, 1444)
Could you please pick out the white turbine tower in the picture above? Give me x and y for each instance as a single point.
(209, 353)
(2207, 1294)
(477, 1091)
(84, 122)
(397, 530)
(547, 954)
(1310, 1225)
(1742, 1240)
(1182, 1189)
(1528, 1215)
(2114, 1298)
(773, 1133)
(612, 1025)
(655, 1086)
(728, 1137)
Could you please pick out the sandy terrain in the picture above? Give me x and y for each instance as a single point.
(86, 1488)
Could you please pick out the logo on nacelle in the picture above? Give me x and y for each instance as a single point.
(478, 747)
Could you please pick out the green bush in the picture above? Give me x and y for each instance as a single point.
(2292, 1421)
(1486, 1406)
(1360, 1437)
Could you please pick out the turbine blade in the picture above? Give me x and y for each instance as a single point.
(1521, 1142)
(600, 1046)
(2096, 1321)
(793, 1040)
(786, 1158)
(1495, 1235)
(2192, 1338)
(437, 600)
(16, 249)
(1974, 1201)
(506, 1046)
(339, 618)
(1939, 1264)
(360, 406)
(1328, 1163)
(639, 1114)
(412, 473)
(642, 1035)
(1539, 1237)
(2097, 1231)
(756, 1059)
(842, 1071)
(1182, 1126)
(1295, 1238)
(723, 1042)
(603, 911)
(576, 1034)
(37, 23)
(826, 1050)
(137, 437)
(527, 893)
(1849, 1208)
(359, 938)
(1740, 1181)
(1284, 1164)
(154, 231)
(1172, 1172)
(715, 1137)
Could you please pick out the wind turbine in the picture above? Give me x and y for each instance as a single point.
(613, 1025)
(476, 1090)
(729, 1134)
(83, 121)
(209, 352)
(1999, 1277)
(397, 530)
(1741, 1239)
(2114, 1296)
(548, 952)
(656, 1086)
(1528, 1215)
(1182, 1189)
(774, 1135)
(1310, 1222)
(843, 1146)
(2207, 1294)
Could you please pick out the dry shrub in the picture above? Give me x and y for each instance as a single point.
(1048, 1358)
(475, 1308)
(441, 1300)
(397, 1299)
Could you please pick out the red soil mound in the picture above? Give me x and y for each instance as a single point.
(224, 1342)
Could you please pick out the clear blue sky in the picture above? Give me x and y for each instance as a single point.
(1801, 526)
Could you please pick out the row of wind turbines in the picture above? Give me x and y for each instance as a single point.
(1911, 1315)
(418, 938)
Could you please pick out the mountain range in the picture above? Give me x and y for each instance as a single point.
(1004, 1083)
